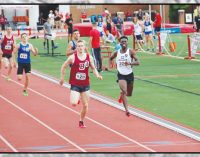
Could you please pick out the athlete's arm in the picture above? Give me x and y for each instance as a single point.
(16, 47)
(133, 56)
(33, 50)
(114, 55)
(95, 72)
(69, 61)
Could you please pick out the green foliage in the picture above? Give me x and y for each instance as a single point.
(173, 12)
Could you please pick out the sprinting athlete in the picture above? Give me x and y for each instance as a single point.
(124, 60)
(24, 49)
(79, 78)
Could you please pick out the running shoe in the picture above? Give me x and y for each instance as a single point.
(128, 114)
(81, 124)
(25, 93)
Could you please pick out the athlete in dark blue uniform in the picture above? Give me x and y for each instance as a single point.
(24, 61)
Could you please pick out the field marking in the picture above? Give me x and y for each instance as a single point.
(42, 123)
(8, 144)
(183, 58)
(92, 120)
(166, 76)
(159, 121)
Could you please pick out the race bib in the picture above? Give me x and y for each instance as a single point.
(8, 47)
(23, 56)
(121, 64)
(80, 76)
(148, 28)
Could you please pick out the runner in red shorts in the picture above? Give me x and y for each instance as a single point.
(79, 77)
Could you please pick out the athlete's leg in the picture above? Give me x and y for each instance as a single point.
(123, 87)
(130, 87)
(11, 64)
(74, 97)
(85, 100)
(27, 80)
(0, 61)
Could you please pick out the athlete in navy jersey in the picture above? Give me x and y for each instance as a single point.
(23, 50)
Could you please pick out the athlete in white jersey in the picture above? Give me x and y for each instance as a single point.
(137, 32)
(124, 59)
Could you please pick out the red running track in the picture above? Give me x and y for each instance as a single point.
(46, 122)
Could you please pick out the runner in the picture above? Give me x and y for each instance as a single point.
(124, 59)
(7, 46)
(79, 78)
(24, 61)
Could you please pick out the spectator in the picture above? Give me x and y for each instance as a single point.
(108, 24)
(57, 19)
(109, 38)
(157, 22)
(140, 15)
(197, 22)
(94, 43)
(119, 25)
(69, 23)
(41, 19)
(83, 15)
(51, 16)
(3, 22)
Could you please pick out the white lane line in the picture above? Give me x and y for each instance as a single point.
(43, 124)
(8, 144)
(159, 121)
(106, 127)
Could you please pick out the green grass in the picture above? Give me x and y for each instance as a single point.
(165, 86)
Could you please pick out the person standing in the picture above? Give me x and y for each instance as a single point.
(148, 31)
(157, 22)
(94, 43)
(48, 34)
(23, 50)
(197, 22)
(125, 59)
(51, 17)
(69, 23)
(137, 32)
(79, 78)
(7, 46)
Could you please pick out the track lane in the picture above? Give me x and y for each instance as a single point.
(140, 130)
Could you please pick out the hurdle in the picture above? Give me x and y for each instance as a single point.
(25, 28)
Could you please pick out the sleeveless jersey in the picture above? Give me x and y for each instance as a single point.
(147, 26)
(79, 71)
(137, 29)
(24, 53)
(121, 59)
(7, 45)
(73, 45)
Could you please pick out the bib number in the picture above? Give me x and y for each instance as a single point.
(80, 76)
(23, 56)
(8, 47)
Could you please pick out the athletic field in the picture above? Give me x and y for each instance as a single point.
(164, 86)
